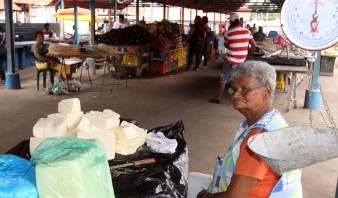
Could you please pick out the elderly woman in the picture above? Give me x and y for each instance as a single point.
(241, 173)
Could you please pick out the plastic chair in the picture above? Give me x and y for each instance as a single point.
(44, 67)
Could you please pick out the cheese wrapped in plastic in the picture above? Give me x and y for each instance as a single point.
(72, 167)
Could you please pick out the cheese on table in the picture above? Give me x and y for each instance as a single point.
(71, 105)
(50, 127)
(126, 132)
(127, 147)
(106, 138)
(72, 119)
(102, 121)
(33, 143)
(84, 124)
(111, 113)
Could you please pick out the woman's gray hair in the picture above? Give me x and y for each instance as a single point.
(264, 73)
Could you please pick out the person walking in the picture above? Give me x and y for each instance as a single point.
(207, 40)
(236, 40)
(196, 38)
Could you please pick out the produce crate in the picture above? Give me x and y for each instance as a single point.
(172, 66)
(158, 68)
(177, 53)
(182, 61)
(327, 65)
(184, 52)
(159, 56)
(129, 59)
(171, 55)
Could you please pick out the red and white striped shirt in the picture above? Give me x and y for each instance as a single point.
(238, 39)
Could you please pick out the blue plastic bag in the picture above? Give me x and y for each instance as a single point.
(17, 178)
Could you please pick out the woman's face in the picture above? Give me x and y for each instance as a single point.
(249, 95)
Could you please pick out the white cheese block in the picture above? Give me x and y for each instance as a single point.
(56, 115)
(93, 128)
(124, 123)
(125, 132)
(102, 121)
(111, 113)
(50, 127)
(72, 119)
(127, 147)
(106, 138)
(84, 124)
(33, 143)
(71, 105)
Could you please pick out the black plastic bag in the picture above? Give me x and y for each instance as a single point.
(165, 178)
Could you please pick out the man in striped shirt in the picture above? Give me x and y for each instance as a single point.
(237, 40)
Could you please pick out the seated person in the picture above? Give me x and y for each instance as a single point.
(48, 30)
(40, 50)
(259, 36)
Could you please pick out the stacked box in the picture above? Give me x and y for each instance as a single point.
(172, 66)
(158, 67)
(184, 52)
(181, 61)
(159, 56)
(129, 59)
(177, 53)
(171, 55)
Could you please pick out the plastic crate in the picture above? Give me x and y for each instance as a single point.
(280, 80)
(177, 53)
(327, 65)
(184, 52)
(158, 68)
(129, 59)
(172, 66)
(181, 61)
(159, 56)
(171, 55)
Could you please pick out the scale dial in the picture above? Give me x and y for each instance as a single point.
(311, 24)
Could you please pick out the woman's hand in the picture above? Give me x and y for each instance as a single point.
(202, 194)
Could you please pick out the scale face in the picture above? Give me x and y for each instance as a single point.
(311, 24)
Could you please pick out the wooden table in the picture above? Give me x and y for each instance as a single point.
(105, 55)
(292, 90)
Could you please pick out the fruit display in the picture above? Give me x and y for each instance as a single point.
(133, 35)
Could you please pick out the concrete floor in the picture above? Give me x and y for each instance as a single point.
(161, 100)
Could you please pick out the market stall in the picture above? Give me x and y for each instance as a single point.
(96, 153)
(156, 48)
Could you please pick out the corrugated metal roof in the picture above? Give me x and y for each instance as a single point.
(220, 6)
(103, 4)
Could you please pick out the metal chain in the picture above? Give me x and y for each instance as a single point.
(310, 94)
(327, 109)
